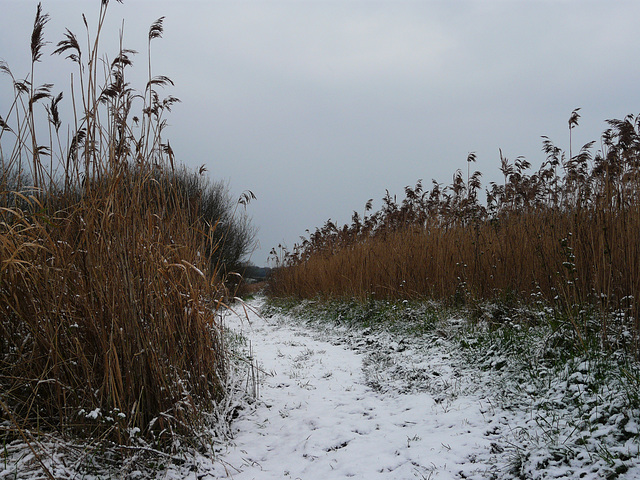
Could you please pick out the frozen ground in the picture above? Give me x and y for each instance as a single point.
(338, 402)
(351, 402)
(318, 419)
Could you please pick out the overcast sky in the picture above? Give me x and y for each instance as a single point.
(317, 106)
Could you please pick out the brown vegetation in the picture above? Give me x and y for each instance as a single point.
(108, 327)
(566, 234)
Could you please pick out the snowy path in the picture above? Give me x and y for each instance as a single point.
(338, 402)
(316, 419)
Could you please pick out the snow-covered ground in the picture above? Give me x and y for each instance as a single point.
(339, 402)
(317, 418)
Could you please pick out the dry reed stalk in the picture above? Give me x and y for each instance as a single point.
(571, 240)
(108, 327)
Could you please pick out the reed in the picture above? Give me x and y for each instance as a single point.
(108, 294)
(566, 234)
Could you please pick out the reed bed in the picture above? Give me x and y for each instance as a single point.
(108, 290)
(565, 235)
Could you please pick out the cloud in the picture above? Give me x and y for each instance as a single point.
(318, 106)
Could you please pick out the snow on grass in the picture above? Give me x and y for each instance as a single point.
(426, 397)
(317, 418)
(348, 395)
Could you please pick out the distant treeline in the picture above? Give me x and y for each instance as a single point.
(251, 272)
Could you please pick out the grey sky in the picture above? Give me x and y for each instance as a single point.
(317, 106)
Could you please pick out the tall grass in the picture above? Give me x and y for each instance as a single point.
(108, 327)
(566, 234)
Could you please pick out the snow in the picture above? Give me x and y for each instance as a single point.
(317, 419)
(341, 403)
(94, 414)
(334, 402)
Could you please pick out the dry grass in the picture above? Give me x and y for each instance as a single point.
(108, 327)
(566, 234)
(103, 309)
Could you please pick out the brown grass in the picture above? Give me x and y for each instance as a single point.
(566, 234)
(107, 299)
